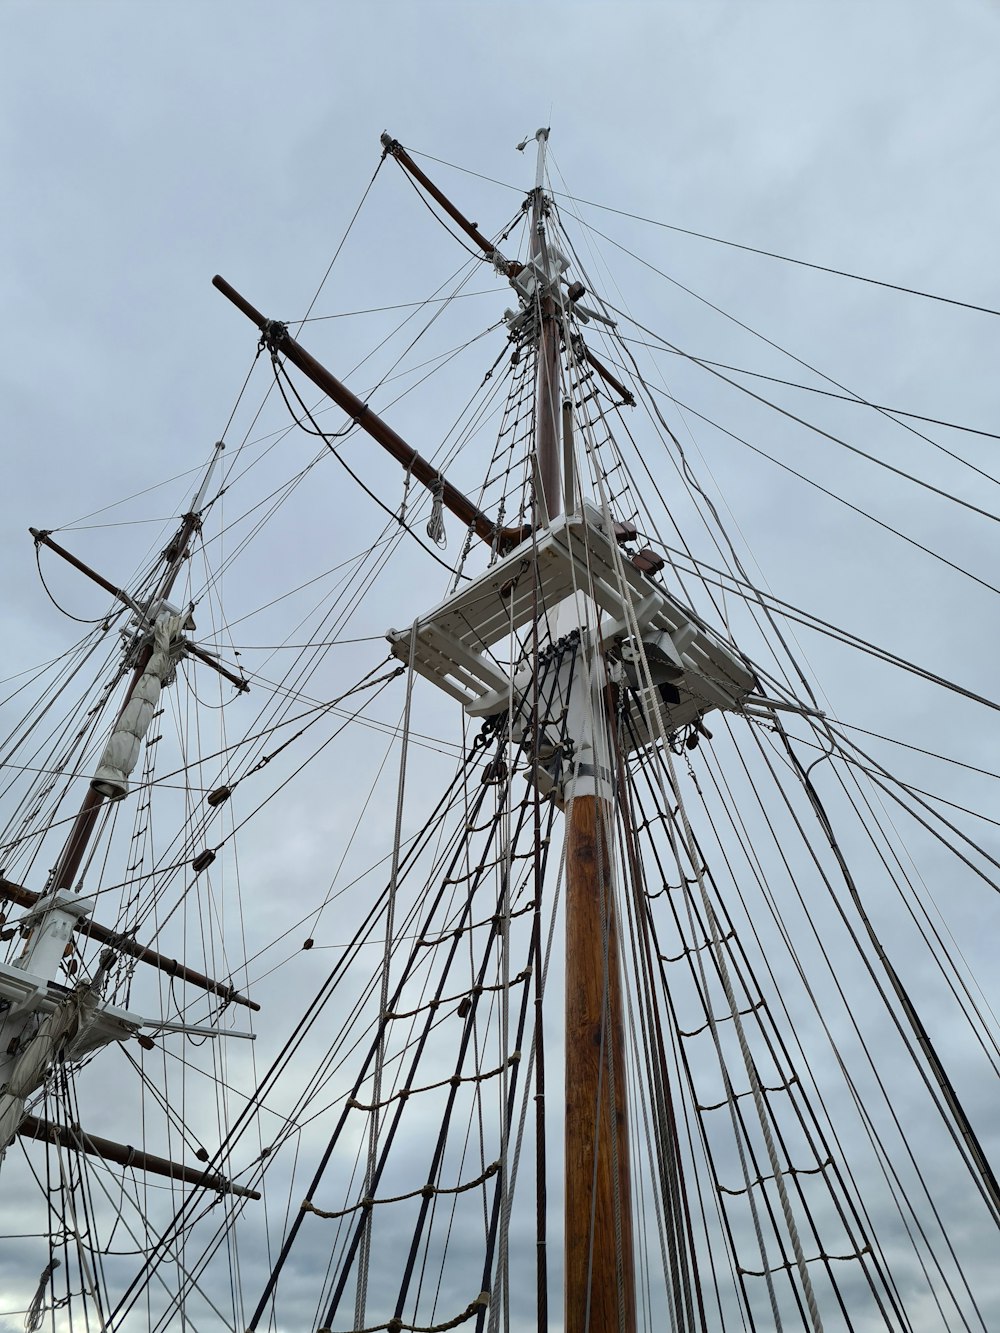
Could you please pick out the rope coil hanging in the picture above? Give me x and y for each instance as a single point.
(435, 524)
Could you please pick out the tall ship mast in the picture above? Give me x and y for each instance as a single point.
(599, 1008)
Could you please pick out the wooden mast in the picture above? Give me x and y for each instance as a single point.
(548, 489)
(598, 1264)
(599, 1273)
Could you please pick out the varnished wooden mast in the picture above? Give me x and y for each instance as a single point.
(599, 1273)
(599, 1269)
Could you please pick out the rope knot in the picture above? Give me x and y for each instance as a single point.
(273, 333)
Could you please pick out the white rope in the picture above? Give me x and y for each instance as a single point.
(36, 1310)
(435, 524)
(501, 1282)
(364, 1250)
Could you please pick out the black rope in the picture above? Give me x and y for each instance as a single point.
(786, 467)
(281, 374)
(719, 240)
(80, 620)
(825, 393)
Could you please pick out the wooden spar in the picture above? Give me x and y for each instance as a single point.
(509, 267)
(210, 659)
(627, 397)
(44, 539)
(600, 1293)
(22, 897)
(395, 149)
(72, 1136)
(282, 343)
(202, 655)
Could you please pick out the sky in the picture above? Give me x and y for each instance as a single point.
(145, 147)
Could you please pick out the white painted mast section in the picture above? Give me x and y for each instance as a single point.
(166, 624)
(40, 1022)
(121, 753)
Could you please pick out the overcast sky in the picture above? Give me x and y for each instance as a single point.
(146, 146)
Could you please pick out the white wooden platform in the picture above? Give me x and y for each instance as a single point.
(466, 644)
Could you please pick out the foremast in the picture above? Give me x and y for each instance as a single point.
(42, 1022)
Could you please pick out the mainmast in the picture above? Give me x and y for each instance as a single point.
(561, 583)
(599, 1271)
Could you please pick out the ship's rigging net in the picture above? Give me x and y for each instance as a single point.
(796, 1161)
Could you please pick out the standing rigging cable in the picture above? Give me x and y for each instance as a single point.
(369, 1185)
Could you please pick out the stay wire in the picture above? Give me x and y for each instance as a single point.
(243, 443)
(343, 242)
(719, 240)
(854, 1202)
(818, 430)
(863, 513)
(829, 393)
(800, 263)
(246, 1118)
(763, 338)
(862, 1103)
(373, 1127)
(936, 944)
(280, 373)
(778, 606)
(401, 305)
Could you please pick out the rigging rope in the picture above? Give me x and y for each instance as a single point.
(718, 240)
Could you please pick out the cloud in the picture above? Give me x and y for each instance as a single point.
(146, 149)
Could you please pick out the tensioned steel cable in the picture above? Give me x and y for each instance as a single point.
(719, 240)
